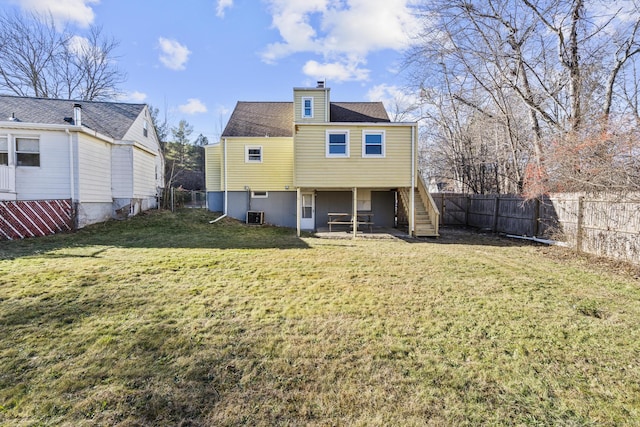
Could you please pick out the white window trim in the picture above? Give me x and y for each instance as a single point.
(334, 132)
(6, 138)
(253, 147)
(364, 142)
(39, 152)
(259, 194)
(303, 115)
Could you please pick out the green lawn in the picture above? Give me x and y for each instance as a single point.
(168, 320)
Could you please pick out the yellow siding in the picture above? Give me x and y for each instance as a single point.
(320, 102)
(213, 167)
(315, 170)
(275, 173)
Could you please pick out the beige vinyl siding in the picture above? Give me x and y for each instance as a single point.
(315, 170)
(320, 100)
(213, 167)
(94, 170)
(274, 173)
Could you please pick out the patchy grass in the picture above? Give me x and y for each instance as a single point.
(169, 320)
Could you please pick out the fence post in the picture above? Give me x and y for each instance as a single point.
(466, 211)
(496, 212)
(536, 216)
(579, 225)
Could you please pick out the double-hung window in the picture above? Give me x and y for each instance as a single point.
(4, 151)
(337, 143)
(307, 108)
(253, 154)
(27, 152)
(373, 143)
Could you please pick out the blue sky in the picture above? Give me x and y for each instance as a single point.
(194, 59)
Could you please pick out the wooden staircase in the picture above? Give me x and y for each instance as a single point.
(427, 216)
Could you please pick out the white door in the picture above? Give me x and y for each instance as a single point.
(307, 221)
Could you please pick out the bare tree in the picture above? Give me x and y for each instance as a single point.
(542, 73)
(38, 60)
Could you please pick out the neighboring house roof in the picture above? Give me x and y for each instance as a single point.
(261, 119)
(370, 112)
(275, 119)
(108, 118)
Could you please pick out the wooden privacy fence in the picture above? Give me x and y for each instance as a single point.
(602, 225)
(35, 218)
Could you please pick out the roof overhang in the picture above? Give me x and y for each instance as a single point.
(367, 124)
(55, 128)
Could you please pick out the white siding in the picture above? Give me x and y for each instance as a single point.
(144, 171)
(94, 170)
(136, 134)
(51, 179)
(122, 171)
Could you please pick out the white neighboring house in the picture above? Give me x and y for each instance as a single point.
(103, 156)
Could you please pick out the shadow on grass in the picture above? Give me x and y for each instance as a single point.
(469, 237)
(189, 228)
(109, 374)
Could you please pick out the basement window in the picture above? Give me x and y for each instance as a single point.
(27, 152)
(259, 194)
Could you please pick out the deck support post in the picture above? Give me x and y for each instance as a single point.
(354, 218)
(298, 211)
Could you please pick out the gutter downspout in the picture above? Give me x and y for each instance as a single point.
(412, 214)
(226, 195)
(72, 177)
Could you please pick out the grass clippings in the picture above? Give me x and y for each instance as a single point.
(165, 320)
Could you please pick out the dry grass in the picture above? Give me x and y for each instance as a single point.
(168, 320)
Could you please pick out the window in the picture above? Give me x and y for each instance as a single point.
(259, 194)
(337, 143)
(307, 108)
(4, 151)
(145, 128)
(253, 154)
(27, 152)
(373, 143)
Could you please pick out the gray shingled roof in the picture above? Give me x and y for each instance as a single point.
(108, 118)
(260, 119)
(275, 119)
(369, 112)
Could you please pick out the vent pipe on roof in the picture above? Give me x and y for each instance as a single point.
(13, 118)
(77, 114)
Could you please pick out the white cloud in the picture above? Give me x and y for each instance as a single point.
(63, 11)
(340, 30)
(193, 106)
(173, 54)
(336, 71)
(222, 6)
(79, 45)
(136, 96)
(400, 104)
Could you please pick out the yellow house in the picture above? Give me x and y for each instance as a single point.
(312, 164)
